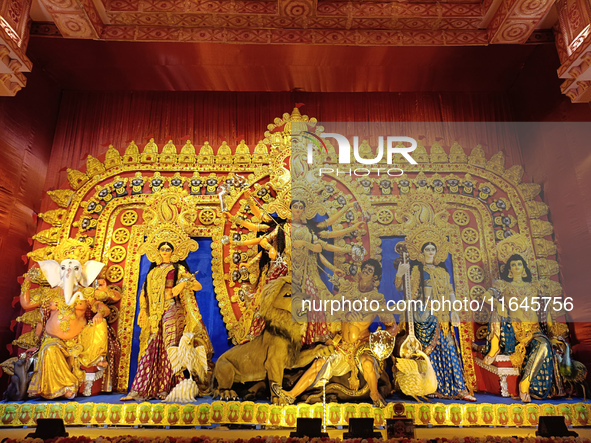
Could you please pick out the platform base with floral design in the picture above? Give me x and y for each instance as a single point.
(489, 410)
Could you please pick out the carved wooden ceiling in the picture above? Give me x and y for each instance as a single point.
(345, 23)
(326, 22)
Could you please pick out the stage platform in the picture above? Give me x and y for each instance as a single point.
(223, 433)
(101, 410)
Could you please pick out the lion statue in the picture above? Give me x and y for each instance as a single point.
(276, 349)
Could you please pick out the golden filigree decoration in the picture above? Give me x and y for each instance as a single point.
(187, 154)
(71, 248)
(48, 236)
(41, 254)
(547, 268)
(420, 153)
(61, 197)
(477, 157)
(475, 274)
(27, 340)
(207, 216)
(121, 236)
(76, 178)
(457, 154)
(117, 254)
(514, 174)
(541, 228)
(529, 191)
(132, 154)
(496, 163)
(515, 244)
(114, 273)
(470, 235)
(461, 218)
(94, 166)
(438, 154)
(552, 287)
(169, 217)
(54, 217)
(424, 218)
(536, 209)
(472, 254)
(129, 218)
(112, 158)
(477, 293)
(385, 216)
(150, 153)
(544, 247)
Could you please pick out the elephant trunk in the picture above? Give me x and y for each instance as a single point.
(70, 284)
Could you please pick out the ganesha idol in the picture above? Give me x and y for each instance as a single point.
(68, 341)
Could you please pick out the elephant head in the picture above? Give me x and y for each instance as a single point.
(70, 275)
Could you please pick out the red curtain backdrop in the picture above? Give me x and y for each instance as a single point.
(88, 121)
(27, 124)
(560, 161)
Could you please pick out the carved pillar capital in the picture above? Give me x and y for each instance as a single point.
(14, 36)
(573, 42)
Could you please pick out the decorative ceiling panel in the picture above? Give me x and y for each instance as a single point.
(276, 21)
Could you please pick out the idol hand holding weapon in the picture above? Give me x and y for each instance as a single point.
(410, 345)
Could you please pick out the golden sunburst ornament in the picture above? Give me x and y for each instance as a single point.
(424, 218)
(169, 217)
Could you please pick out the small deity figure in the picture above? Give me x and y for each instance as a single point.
(119, 185)
(211, 184)
(430, 280)
(517, 332)
(352, 352)
(195, 184)
(137, 184)
(68, 340)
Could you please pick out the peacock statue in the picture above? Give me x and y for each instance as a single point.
(416, 378)
(574, 373)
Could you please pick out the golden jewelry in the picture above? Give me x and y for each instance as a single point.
(169, 217)
(65, 312)
(515, 244)
(281, 183)
(70, 248)
(26, 286)
(424, 217)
